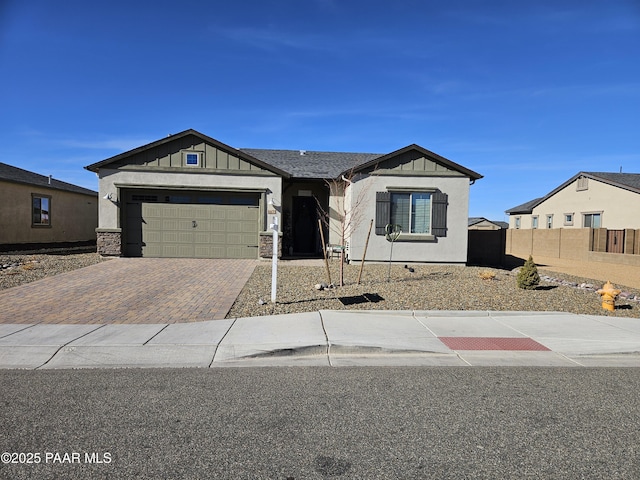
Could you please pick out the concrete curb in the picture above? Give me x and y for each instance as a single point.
(331, 338)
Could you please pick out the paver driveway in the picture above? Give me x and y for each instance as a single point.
(130, 290)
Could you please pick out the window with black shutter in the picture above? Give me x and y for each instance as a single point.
(418, 213)
(383, 211)
(439, 214)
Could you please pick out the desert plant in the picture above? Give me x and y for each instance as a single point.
(487, 275)
(528, 277)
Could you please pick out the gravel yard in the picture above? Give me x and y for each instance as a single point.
(24, 268)
(428, 287)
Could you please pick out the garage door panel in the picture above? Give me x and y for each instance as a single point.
(250, 239)
(234, 239)
(151, 223)
(192, 230)
(249, 214)
(153, 237)
(204, 226)
(218, 226)
(202, 213)
(238, 252)
(151, 210)
(202, 237)
(152, 250)
(186, 212)
(218, 238)
(218, 214)
(176, 224)
(234, 227)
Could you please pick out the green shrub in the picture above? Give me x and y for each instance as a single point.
(528, 277)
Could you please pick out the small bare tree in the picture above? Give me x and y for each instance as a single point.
(345, 213)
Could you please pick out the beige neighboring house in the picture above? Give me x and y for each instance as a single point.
(587, 200)
(38, 211)
(481, 223)
(189, 195)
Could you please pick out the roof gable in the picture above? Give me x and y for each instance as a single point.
(416, 160)
(477, 220)
(167, 153)
(626, 181)
(10, 173)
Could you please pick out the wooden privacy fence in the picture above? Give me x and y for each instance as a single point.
(615, 241)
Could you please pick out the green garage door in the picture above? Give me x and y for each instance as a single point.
(184, 230)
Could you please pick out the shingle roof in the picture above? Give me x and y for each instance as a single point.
(525, 207)
(311, 164)
(291, 163)
(628, 181)
(18, 175)
(475, 220)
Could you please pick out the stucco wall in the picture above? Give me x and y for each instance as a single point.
(109, 217)
(618, 207)
(449, 249)
(74, 216)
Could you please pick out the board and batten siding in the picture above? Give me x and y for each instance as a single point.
(413, 163)
(171, 155)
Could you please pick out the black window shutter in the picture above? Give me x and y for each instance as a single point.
(383, 211)
(439, 214)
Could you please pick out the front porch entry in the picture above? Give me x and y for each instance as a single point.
(305, 226)
(303, 204)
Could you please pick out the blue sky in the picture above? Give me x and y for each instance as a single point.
(525, 93)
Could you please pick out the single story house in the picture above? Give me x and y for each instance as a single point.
(586, 200)
(39, 211)
(481, 223)
(189, 195)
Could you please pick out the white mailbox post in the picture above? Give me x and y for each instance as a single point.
(274, 262)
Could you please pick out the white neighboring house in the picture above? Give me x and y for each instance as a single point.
(586, 200)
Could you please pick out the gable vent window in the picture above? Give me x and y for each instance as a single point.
(583, 184)
(191, 158)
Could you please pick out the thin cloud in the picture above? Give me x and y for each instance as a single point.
(359, 40)
(272, 40)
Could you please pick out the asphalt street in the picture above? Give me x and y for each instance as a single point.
(314, 423)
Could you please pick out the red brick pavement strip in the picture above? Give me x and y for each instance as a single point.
(130, 290)
(492, 343)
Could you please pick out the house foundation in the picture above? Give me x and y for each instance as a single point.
(109, 242)
(266, 245)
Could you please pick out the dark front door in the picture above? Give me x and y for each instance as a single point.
(305, 226)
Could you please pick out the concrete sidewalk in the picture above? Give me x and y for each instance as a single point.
(333, 338)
